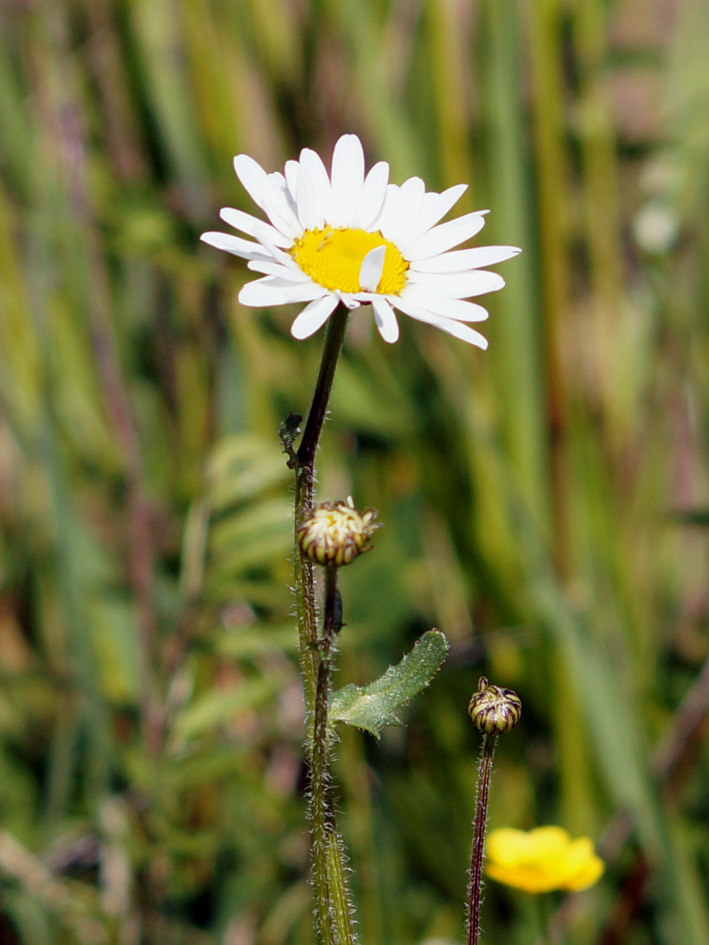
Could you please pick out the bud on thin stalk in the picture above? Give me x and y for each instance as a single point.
(494, 711)
(331, 534)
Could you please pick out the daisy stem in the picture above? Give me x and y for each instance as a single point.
(318, 408)
(304, 478)
(332, 907)
(333, 921)
(487, 753)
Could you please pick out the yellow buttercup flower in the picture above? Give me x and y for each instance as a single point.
(542, 860)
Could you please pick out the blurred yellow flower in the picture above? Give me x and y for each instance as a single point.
(542, 860)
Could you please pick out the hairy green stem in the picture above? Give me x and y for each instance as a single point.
(339, 893)
(332, 899)
(333, 921)
(487, 753)
(304, 463)
(320, 809)
(321, 812)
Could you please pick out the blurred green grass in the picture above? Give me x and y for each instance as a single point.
(149, 701)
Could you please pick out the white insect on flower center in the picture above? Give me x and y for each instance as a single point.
(333, 258)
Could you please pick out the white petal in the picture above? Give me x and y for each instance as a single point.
(392, 208)
(445, 306)
(370, 272)
(281, 186)
(292, 173)
(270, 198)
(462, 331)
(314, 194)
(444, 237)
(252, 226)
(445, 324)
(234, 245)
(280, 256)
(313, 317)
(269, 251)
(292, 272)
(385, 320)
(433, 209)
(460, 285)
(414, 192)
(348, 300)
(347, 180)
(273, 291)
(372, 196)
(401, 209)
(460, 259)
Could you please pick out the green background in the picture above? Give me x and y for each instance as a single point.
(545, 502)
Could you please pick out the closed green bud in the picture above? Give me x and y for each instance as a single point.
(494, 710)
(336, 533)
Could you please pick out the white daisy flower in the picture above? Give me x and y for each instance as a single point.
(357, 239)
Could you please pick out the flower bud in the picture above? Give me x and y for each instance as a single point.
(494, 710)
(336, 533)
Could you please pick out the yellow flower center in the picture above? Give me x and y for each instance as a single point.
(333, 258)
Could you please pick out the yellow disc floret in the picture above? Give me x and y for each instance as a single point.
(333, 258)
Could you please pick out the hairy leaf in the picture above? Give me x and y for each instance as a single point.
(372, 706)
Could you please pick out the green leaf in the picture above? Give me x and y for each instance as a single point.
(375, 705)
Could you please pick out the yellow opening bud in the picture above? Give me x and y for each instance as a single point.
(336, 533)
